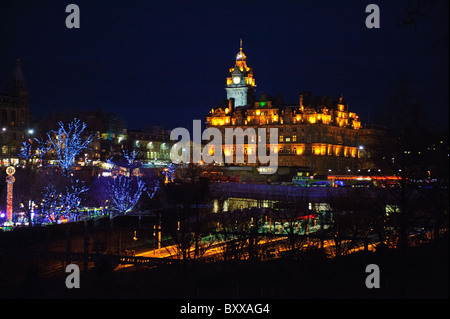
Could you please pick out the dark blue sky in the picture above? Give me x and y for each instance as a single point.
(165, 62)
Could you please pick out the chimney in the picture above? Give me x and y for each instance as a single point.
(301, 102)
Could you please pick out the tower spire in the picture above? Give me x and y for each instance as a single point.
(18, 79)
(240, 56)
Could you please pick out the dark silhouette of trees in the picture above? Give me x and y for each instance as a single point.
(188, 221)
(293, 213)
(404, 151)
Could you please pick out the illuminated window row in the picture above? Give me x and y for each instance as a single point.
(299, 149)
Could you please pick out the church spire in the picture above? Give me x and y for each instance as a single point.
(17, 85)
(18, 79)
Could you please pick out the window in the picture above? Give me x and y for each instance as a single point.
(294, 138)
(280, 138)
(13, 118)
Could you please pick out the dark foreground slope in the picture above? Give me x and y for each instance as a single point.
(421, 273)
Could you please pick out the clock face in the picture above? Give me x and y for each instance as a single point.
(236, 80)
(10, 170)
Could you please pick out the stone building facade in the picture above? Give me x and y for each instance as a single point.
(320, 134)
(14, 117)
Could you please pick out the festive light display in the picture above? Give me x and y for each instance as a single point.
(169, 172)
(69, 142)
(125, 192)
(56, 205)
(10, 170)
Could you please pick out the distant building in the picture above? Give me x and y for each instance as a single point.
(153, 145)
(320, 134)
(14, 117)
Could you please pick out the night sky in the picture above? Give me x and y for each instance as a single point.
(166, 62)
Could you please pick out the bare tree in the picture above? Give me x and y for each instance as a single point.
(293, 213)
(190, 223)
(58, 202)
(400, 153)
(68, 142)
(33, 149)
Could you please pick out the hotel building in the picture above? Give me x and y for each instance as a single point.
(319, 134)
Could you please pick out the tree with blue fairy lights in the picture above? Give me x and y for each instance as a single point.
(126, 190)
(68, 142)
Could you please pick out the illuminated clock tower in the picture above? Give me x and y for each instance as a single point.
(240, 83)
